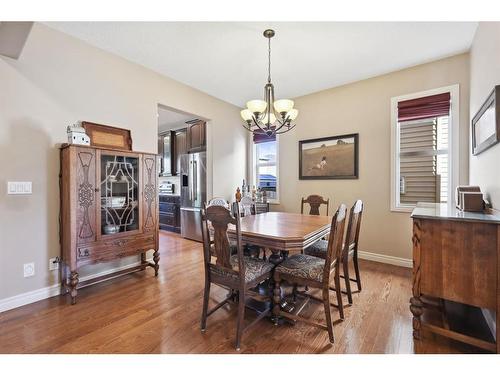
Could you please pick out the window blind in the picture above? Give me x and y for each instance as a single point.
(418, 146)
(260, 137)
(426, 107)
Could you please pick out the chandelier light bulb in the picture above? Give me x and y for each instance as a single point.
(283, 105)
(246, 115)
(257, 106)
(292, 114)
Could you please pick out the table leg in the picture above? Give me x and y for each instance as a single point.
(275, 257)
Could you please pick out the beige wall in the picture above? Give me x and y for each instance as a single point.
(364, 107)
(57, 81)
(484, 75)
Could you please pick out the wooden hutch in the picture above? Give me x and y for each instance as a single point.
(109, 210)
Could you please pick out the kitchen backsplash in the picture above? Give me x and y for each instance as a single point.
(175, 180)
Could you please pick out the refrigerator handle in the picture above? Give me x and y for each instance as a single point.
(195, 180)
(190, 183)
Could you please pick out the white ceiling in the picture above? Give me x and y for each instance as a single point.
(229, 60)
(169, 119)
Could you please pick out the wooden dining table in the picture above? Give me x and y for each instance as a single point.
(282, 232)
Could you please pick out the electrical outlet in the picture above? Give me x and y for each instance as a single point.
(54, 264)
(29, 269)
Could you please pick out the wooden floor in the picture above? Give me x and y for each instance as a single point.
(142, 314)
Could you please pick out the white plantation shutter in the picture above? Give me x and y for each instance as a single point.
(422, 145)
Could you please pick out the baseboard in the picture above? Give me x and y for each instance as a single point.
(396, 261)
(19, 300)
(10, 303)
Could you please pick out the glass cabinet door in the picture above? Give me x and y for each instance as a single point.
(119, 194)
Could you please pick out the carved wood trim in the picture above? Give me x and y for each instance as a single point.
(86, 194)
(416, 305)
(149, 191)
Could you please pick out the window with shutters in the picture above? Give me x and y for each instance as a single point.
(422, 149)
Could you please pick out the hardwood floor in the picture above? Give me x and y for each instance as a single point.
(165, 319)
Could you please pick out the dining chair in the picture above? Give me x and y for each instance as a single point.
(350, 248)
(314, 201)
(217, 201)
(236, 272)
(314, 272)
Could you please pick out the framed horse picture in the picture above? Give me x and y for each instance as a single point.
(329, 158)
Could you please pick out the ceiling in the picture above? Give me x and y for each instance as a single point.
(229, 59)
(169, 119)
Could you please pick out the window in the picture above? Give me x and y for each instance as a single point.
(423, 143)
(265, 165)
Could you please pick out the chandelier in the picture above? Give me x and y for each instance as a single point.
(268, 116)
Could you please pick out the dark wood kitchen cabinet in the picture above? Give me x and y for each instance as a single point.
(109, 210)
(196, 136)
(170, 206)
(180, 147)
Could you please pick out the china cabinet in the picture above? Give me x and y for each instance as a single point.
(109, 210)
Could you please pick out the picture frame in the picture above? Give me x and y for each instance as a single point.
(329, 158)
(486, 124)
(108, 136)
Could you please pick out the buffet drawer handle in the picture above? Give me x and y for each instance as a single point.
(83, 253)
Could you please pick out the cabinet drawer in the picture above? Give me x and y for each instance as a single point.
(116, 248)
(168, 219)
(170, 199)
(168, 208)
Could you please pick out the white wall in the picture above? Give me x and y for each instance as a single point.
(484, 76)
(57, 81)
(364, 107)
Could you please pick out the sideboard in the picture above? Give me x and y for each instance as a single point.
(456, 279)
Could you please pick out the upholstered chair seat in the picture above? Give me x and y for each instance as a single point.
(304, 266)
(317, 249)
(254, 267)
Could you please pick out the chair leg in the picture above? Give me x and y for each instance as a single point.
(328, 315)
(356, 269)
(339, 295)
(241, 319)
(345, 266)
(206, 296)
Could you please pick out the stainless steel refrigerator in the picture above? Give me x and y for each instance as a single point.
(193, 193)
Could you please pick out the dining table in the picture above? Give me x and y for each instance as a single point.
(280, 233)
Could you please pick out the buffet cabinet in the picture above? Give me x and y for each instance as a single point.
(109, 210)
(456, 275)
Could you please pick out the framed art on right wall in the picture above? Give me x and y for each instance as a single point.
(486, 124)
